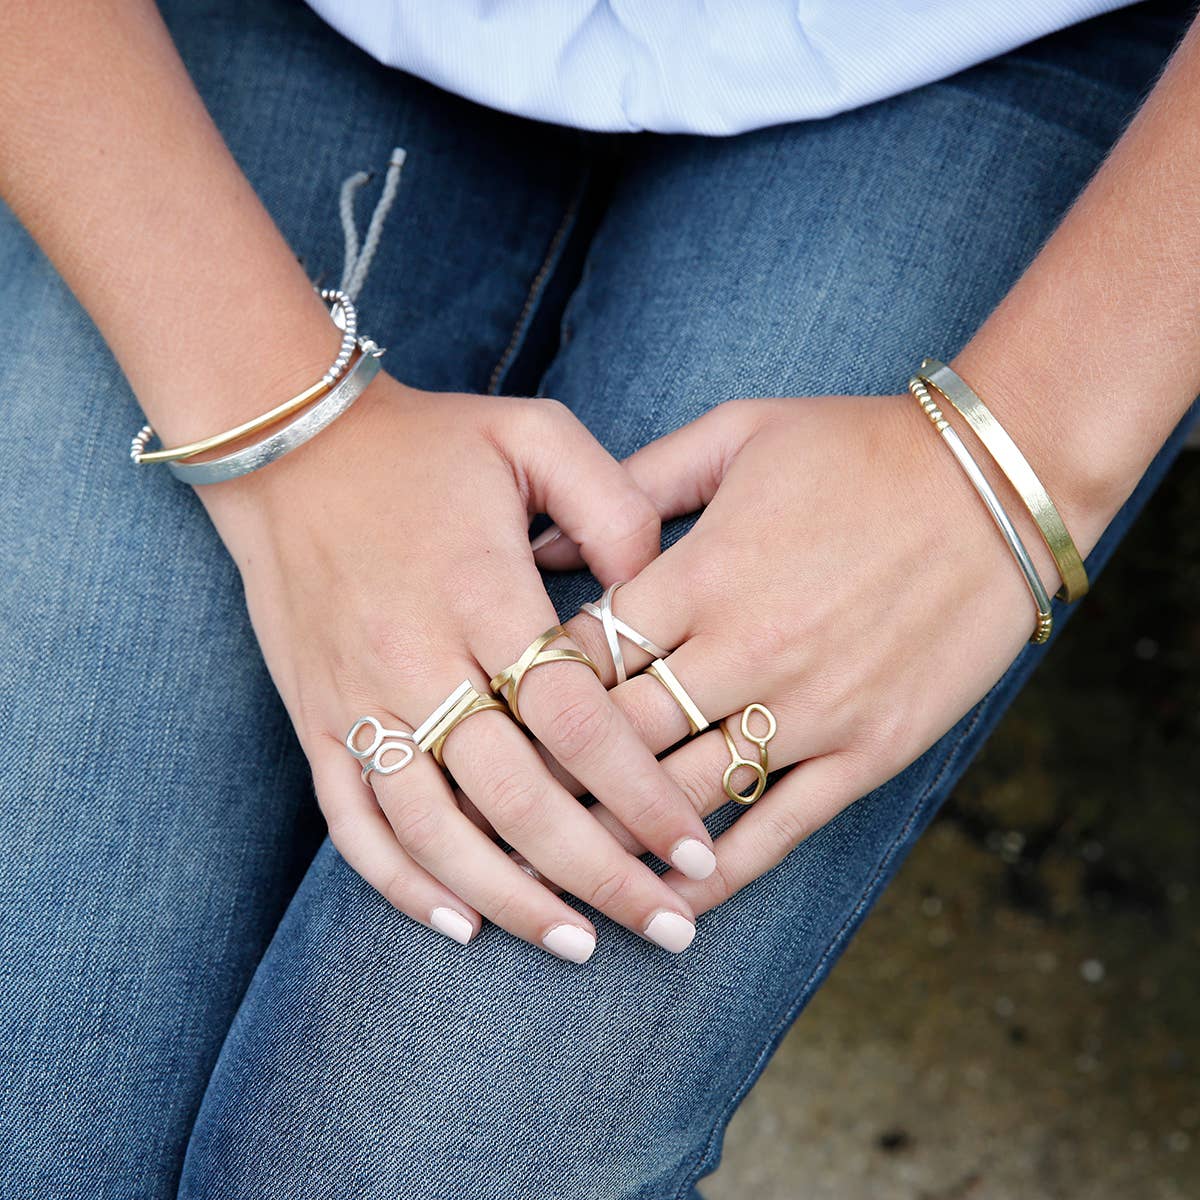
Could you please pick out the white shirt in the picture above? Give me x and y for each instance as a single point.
(693, 66)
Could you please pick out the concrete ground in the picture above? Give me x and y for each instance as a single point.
(1019, 1018)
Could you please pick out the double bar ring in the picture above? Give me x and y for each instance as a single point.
(615, 629)
(507, 683)
(465, 701)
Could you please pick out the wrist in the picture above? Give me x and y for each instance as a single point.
(276, 493)
(1079, 457)
(224, 372)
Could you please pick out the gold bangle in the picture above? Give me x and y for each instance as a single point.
(465, 701)
(986, 493)
(240, 431)
(1020, 474)
(696, 720)
(507, 683)
(344, 315)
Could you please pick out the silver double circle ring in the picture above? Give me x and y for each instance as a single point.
(383, 741)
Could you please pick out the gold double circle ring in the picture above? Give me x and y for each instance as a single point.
(761, 768)
(507, 683)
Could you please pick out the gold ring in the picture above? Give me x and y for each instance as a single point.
(695, 718)
(535, 655)
(465, 701)
(760, 768)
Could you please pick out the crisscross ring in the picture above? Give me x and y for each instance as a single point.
(615, 629)
(507, 683)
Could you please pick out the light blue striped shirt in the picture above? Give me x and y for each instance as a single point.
(695, 66)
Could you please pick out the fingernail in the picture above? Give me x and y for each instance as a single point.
(570, 942)
(694, 859)
(546, 537)
(452, 924)
(671, 931)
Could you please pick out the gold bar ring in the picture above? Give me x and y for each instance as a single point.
(465, 701)
(695, 718)
(507, 683)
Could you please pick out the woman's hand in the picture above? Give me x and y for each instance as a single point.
(388, 560)
(843, 573)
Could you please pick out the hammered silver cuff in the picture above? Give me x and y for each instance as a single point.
(295, 433)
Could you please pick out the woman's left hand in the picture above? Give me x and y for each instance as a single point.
(843, 573)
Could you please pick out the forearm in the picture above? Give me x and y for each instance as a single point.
(1094, 355)
(108, 157)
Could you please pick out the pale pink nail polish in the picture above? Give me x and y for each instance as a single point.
(546, 537)
(452, 924)
(671, 931)
(694, 859)
(570, 942)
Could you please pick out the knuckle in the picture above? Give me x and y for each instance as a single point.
(780, 831)
(542, 411)
(505, 909)
(631, 516)
(396, 647)
(416, 825)
(697, 784)
(337, 825)
(739, 413)
(610, 890)
(513, 801)
(394, 886)
(651, 808)
(473, 602)
(893, 735)
(580, 727)
(768, 641)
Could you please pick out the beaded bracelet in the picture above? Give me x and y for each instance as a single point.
(1041, 599)
(344, 315)
(1016, 468)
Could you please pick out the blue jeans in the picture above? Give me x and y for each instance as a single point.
(197, 996)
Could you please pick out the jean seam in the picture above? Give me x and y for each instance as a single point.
(863, 902)
(538, 286)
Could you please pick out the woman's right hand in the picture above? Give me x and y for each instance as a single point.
(387, 560)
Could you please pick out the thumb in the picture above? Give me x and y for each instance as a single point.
(679, 473)
(607, 519)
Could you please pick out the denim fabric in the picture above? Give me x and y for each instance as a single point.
(178, 974)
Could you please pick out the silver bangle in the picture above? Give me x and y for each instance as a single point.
(295, 433)
(1045, 617)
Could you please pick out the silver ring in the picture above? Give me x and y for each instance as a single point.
(382, 742)
(615, 629)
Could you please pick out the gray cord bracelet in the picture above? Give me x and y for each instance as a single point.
(295, 433)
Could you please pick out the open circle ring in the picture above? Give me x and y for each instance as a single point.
(383, 741)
